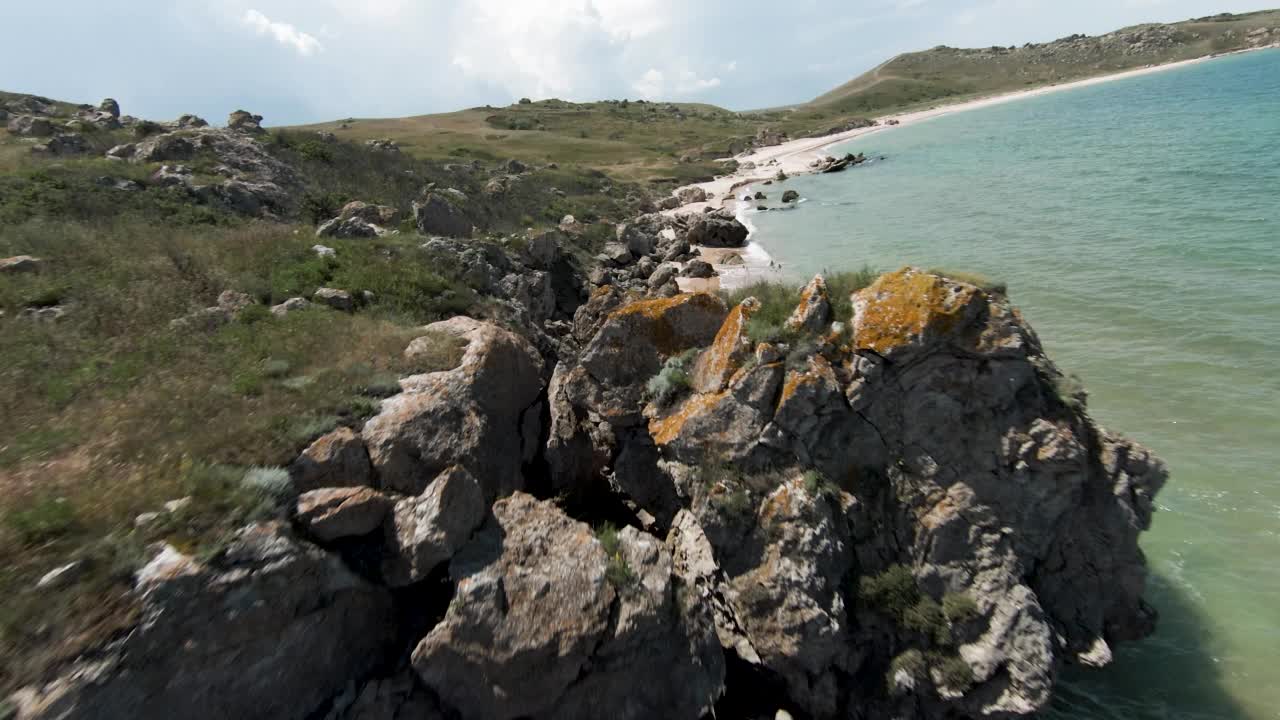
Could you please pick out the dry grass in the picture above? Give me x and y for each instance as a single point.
(110, 412)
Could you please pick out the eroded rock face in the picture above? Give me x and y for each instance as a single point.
(933, 437)
(472, 416)
(269, 630)
(442, 214)
(542, 628)
(335, 460)
(428, 529)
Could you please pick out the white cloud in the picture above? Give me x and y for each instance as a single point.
(284, 33)
(653, 84)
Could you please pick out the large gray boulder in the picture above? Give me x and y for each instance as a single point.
(245, 122)
(272, 628)
(428, 529)
(482, 415)
(359, 220)
(442, 214)
(716, 230)
(548, 623)
(29, 126)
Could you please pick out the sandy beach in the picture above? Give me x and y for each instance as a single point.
(794, 157)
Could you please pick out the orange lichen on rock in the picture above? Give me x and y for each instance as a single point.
(724, 357)
(662, 315)
(666, 429)
(904, 307)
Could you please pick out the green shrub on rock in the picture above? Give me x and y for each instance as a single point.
(892, 592)
(959, 607)
(673, 380)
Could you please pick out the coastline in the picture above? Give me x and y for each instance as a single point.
(793, 157)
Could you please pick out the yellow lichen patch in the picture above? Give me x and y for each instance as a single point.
(901, 307)
(818, 372)
(666, 429)
(656, 314)
(720, 360)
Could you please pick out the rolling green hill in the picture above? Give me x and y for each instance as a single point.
(945, 73)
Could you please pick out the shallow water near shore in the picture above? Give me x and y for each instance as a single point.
(1137, 224)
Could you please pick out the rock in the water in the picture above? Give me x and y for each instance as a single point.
(790, 196)
(473, 415)
(442, 214)
(335, 513)
(272, 628)
(547, 624)
(338, 459)
(429, 529)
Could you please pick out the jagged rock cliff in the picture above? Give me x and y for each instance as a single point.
(892, 513)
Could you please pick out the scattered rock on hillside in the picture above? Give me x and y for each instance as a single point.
(338, 459)
(334, 298)
(530, 632)
(20, 264)
(293, 304)
(482, 415)
(359, 220)
(269, 628)
(383, 145)
(441, 213)
(331, 514)
(427, 530)
(29, 126)
(246, 122)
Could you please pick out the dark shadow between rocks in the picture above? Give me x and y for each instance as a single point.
(751, 692)
(1171, 674)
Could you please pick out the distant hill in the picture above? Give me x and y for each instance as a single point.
(946, 72)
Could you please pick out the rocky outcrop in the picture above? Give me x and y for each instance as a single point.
(268, 629)
(359, 220)
(257, 183)
(717, 230)
(335, 460)
(335, 513)
(690, 195)
(548, 622)
(442, 214)
(245, 122)
(19, 264)
(30, 126)
(482, 415)
(429, 529)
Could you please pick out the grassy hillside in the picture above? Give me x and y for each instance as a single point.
(949, 73)
(660, 143)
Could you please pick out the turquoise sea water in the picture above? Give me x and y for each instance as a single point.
(1137, 224)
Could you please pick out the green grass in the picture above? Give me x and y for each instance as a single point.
(673, 380)
(618, 572)
(112, 412)
(919, 79)
(959, 608)
(779, 300)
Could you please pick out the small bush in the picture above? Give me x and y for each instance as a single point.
(959, 607)
(911, 662)
(44, 520)
(892, 592)
(673, 380)
(927, 617)
(955, 673)
(270, 481)
(618, 572)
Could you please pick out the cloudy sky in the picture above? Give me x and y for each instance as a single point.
(298, 61)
